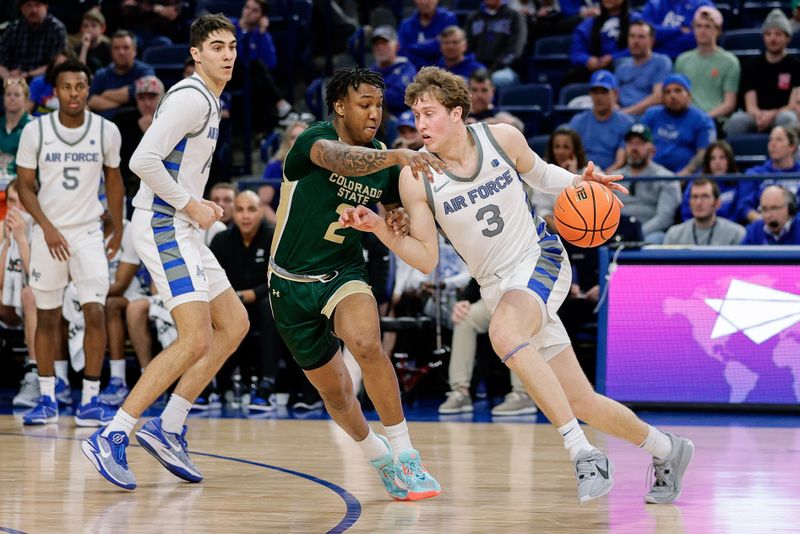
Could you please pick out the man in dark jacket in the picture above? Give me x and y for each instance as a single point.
(497, 35)
(243, 252)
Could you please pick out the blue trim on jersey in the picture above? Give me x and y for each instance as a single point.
(171, 166)
(180, 147)
(540, 289)
(160, 202)
(161, 229)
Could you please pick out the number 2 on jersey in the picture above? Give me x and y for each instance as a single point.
(331, 234)
(70, 181)
(494, 219)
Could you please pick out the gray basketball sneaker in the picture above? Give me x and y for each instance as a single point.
(594, 472)
(669, 474)
(456, 402)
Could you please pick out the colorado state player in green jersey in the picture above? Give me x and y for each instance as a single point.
(318, 282)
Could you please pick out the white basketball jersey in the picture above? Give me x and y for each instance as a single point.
(70, 173)
(486, 216)
(189, 162)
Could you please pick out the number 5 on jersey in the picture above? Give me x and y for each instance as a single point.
(70, 180)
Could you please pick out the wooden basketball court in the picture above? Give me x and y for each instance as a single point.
(307, 476)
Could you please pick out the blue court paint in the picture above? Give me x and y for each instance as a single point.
(351, 515)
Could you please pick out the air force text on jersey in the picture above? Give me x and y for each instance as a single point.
(73, 157)
(482, 191)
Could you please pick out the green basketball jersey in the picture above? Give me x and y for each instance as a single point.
(308, 238)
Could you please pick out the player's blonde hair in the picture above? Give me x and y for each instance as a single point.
(447, 88)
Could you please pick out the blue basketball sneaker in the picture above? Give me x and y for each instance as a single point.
(107, 454)
(45, 411)
(63, 392)
(94, 413)
(114, 393)
(413, 476)
(387, 469)
(169, 449)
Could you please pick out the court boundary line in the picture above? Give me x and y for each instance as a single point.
(352, 504)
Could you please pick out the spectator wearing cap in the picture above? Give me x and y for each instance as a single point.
(397, 71)
(672, 20)
(780, 224)
(113, 86)
(418, 34)
(132, 124)
(407, 134)
(705, 227)
(602, 128)
(641, 75)
(30, 42)
(497, 35)
(453, 44)
(767, 82)
(94, 48)
(713, 71)
(681, 131)
(653, 203)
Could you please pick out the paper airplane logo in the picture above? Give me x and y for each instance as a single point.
(758, 312)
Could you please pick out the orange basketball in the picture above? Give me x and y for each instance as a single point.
(587, 214)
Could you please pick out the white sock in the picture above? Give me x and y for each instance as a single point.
(91, 388)
(62, 370)
(174, 415)
(574, 439)
(122, 422)
(118, 369)
(657, 443)
(398, 437)
(47, 386)
(372, 446)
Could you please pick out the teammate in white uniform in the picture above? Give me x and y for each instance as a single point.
(523, 271)
(72, 150)
(173, 161)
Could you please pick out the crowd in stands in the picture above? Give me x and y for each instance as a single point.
(653, 93)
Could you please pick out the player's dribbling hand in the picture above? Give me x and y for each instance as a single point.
(56, 243)
(607, 180)
(360, 218)
(399, 221)
(420, 163)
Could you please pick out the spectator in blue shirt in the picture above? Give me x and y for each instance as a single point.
(718, 160)
(42, 99)
(253, 40)
(453, 44)
(418, 34)
(113, 86)
(780, 224)
(497, 34)
(782, 149)
(599, 41)
(681, 131)
(641, 75)
(603, 128)
(672, 20)
(397, 72)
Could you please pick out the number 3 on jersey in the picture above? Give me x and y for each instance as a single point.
(493, 220)
(70, 180)
(331, 234)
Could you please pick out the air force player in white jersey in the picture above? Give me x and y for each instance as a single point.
(173, 161)
(72, 149)
(523, 271)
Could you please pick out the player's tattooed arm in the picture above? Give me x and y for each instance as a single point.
(349, 160)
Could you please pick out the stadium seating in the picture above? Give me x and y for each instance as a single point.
(749, 149)
(530, 102)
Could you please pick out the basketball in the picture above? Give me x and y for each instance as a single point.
(587, 214)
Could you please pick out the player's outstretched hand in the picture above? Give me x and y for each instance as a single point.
(203, 213)
(607, 180)
(113, 245)
(361, 218)
(399, 221)
(59, 248)
(420, 163)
